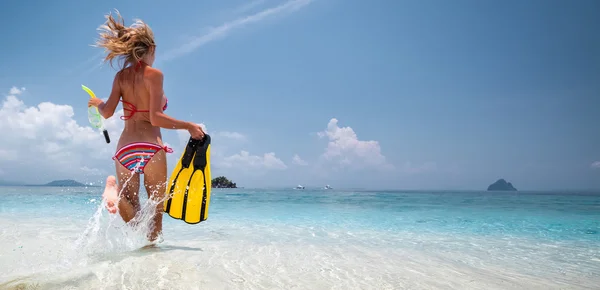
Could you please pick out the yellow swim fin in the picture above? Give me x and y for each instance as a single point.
(188, 190)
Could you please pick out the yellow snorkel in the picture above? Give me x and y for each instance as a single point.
(94, 116)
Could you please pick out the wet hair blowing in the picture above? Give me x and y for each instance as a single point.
(129, 44)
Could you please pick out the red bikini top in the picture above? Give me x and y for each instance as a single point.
(134, 110)
(131, 108)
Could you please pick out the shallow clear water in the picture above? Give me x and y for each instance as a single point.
(57, 238)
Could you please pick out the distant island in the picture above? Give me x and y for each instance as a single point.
(55, 183)
(65, 183)
(501, 185)
(222, 182)
(219, 182)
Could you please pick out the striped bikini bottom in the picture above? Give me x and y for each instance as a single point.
(135, 156)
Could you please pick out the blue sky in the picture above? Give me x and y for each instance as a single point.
(453, 94)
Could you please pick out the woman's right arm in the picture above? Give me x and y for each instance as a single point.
(154, 83)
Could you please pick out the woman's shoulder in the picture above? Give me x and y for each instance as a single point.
(153, 72)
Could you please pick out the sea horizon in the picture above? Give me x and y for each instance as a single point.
(374, 189)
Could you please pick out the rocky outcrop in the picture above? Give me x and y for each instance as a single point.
(501, 185)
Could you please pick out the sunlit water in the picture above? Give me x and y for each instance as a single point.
(62, 238)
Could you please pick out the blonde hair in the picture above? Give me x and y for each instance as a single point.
(129, 44)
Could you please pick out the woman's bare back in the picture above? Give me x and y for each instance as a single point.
(135, 99)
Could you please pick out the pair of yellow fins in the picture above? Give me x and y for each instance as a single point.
(188, 190)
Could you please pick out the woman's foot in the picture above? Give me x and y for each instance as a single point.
(111, 194)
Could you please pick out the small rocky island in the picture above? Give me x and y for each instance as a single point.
(65, 182)
(222, 182)
(501, 185)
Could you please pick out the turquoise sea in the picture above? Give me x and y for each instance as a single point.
(62, 238)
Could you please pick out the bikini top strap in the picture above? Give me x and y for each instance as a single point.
(138, 65)
(129, 107)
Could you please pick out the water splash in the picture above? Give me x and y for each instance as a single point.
(108, 236)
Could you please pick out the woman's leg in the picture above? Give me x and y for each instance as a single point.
(129, 202)
(155, 179)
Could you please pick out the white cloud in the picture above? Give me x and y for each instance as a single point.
(224, 29)
(344, 148)
(16, 91)
(184, 136)
(245, 161)
(46, 142)
(298, 161)
(241, 161)
(231, 135)
(595, 165)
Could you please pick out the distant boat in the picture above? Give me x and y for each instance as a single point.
(299, 187)
(328, 187)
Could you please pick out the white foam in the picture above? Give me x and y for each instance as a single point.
(223, 255)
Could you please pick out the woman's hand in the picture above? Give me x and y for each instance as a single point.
(196, 131)
(94, 102)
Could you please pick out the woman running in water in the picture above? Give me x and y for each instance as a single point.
(140, 149)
